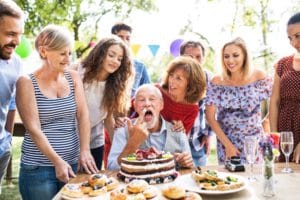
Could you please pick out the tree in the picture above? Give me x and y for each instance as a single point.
(81, 17)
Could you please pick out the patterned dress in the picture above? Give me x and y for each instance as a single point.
(238, 111)
(289, 108)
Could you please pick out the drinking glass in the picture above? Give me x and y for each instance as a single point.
(286, 145)
(251, 148)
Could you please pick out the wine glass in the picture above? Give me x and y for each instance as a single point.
(251, 148)
(286, 145)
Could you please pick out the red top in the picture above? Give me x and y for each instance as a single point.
(172, 110)
(289, 109)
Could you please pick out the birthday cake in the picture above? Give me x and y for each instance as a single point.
(150, 165)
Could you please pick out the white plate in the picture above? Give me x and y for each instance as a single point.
(190, 184)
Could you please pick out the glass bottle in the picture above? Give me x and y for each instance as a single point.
(268, 171)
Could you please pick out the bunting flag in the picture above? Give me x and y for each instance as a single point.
(135, 48)
(154, 48)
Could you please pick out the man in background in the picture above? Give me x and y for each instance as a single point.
(12, 27)
(124, 31)
(200, 134)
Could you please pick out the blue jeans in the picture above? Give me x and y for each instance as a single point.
(39, 182)
(199, 157)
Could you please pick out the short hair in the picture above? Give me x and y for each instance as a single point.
(120, 26)
(54, 37)
(191, 43)
(246, 64)
(11, 9)
(149, 86)
(196, 78)
(294, 19)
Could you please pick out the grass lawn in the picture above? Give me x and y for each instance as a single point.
(11, 191)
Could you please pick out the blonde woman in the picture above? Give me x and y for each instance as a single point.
(235, 97)
(51, 103)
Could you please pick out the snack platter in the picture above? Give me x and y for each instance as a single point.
(139, 189)
(193, 186)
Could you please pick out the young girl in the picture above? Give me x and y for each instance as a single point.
(106, 74)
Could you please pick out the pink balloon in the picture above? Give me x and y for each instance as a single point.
(175, 47)
(92, 44)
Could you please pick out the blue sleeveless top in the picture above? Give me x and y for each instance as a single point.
(58, 123)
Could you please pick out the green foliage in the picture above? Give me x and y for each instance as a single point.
(249, 17)
(156, 66)
(41, 13)
(209, 62)
(81, 17)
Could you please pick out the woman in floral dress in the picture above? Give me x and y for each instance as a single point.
(235, 96)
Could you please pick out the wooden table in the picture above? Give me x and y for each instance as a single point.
(287, 186)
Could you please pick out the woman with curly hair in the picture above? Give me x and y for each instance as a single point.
(106, 72)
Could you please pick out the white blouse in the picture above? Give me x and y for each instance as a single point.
(94, 94)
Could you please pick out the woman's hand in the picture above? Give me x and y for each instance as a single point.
(120, 122)
(296, 155)
(63, 171)
(87, 162)
(177, 126)
(231, 151)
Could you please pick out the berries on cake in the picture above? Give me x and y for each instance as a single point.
(150, 165)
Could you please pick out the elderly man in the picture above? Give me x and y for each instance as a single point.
(149, 129)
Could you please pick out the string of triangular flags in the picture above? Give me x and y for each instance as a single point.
(24, 49)
(174, 48)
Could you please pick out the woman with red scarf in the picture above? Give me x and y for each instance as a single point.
(183, 87)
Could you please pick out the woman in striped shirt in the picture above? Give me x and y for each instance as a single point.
(51, 103)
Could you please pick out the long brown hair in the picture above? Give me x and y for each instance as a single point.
(195, 76)
(116, 96)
